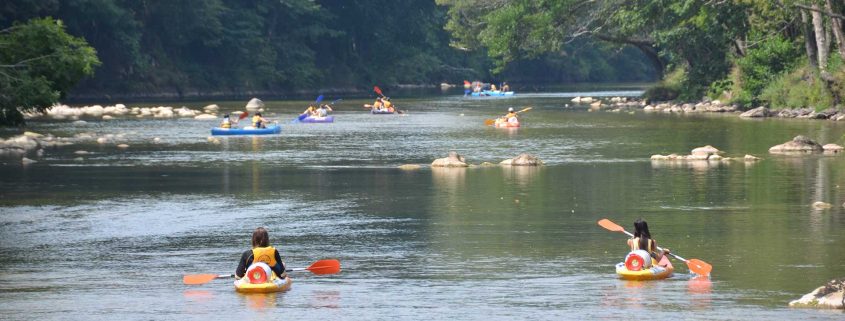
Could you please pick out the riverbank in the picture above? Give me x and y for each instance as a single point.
(622, 104)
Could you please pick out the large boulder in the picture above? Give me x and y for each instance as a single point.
(756, 113)
(453, 160)
(254, 104)
(705, 151)
(828, 296)
(832, 148)
(522, 160)
(799, 144)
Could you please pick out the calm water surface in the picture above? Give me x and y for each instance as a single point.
(110, 236)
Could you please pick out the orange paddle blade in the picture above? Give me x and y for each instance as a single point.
(243, 115)
(699, 267)
(610, 226)
(377, 90)
(198, 278)
(324, 267)
(489, 122)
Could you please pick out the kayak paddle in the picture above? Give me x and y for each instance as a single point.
(695, 265)
(320, 267)
(489, 122)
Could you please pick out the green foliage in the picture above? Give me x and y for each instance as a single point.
(767, 60)
(39, 63)
(798, 89)
(667, 89)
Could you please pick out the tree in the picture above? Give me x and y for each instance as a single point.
(39, 63)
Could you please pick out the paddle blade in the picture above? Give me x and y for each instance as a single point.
(377, 90)
(198, 278)
(301, 117)
(525, 109)
(324, 267)
(243, 115)
(699, 267)
(319, 99)
(368, 106)
(489, 122)
(610, 226)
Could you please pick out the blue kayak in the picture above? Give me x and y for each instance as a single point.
(492, 93)
(273, 129)
(315, 119)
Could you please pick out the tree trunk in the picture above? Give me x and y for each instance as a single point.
(809, 39)
(836, 25)
(821, 41)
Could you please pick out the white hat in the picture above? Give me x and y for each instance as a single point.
(510, 108)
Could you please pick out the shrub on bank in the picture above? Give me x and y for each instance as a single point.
(797, 89)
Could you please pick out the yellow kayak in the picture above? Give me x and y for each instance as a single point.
(276, 285)
(657, 271)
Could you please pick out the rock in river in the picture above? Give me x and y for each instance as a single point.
(756, 113)
(523, 160)
(453, 160)
(799, 144)
(828, 296)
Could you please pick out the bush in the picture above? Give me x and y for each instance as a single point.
(667, 89)
(798, 89)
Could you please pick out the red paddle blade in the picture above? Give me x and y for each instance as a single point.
(610, 226)
(377, 90)
(699, 267)
(243, 115)
(198, 278)
(324, 267)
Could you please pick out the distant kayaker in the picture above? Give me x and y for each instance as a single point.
(505, 87)
(388, 106)
(477, 87)
(493, 87)
(261, 252)
(258, 121)
(378, 105)
(642, 241)
(227, 123)
(511, 114)
(323, 111)
(310, 111)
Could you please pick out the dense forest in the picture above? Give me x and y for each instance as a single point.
(781, 53)
(182, 48)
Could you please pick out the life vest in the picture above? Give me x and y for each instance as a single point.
(510, 115)
(264, 254)
(256, 120)
(226, 124)
(388, 104)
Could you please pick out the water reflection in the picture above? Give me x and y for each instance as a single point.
(259, 301)
(449, 179)
(325, 299)
(521, 175)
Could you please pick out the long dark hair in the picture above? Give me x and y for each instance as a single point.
(260, 238)
(641, 231)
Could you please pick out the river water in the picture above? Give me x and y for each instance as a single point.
(110, 236)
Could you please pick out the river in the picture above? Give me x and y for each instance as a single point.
(111, 235)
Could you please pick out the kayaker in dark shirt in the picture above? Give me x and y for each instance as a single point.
(264, 252)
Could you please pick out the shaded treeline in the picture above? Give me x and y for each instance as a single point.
(205, 48)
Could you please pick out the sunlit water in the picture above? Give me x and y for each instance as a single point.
(109, 237)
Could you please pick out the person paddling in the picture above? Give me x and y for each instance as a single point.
(310, 111)
(505, 87)
(642, 241)
(258, 121)
(261, 252)
(388, 106)
(323, 111)
(227, 123)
